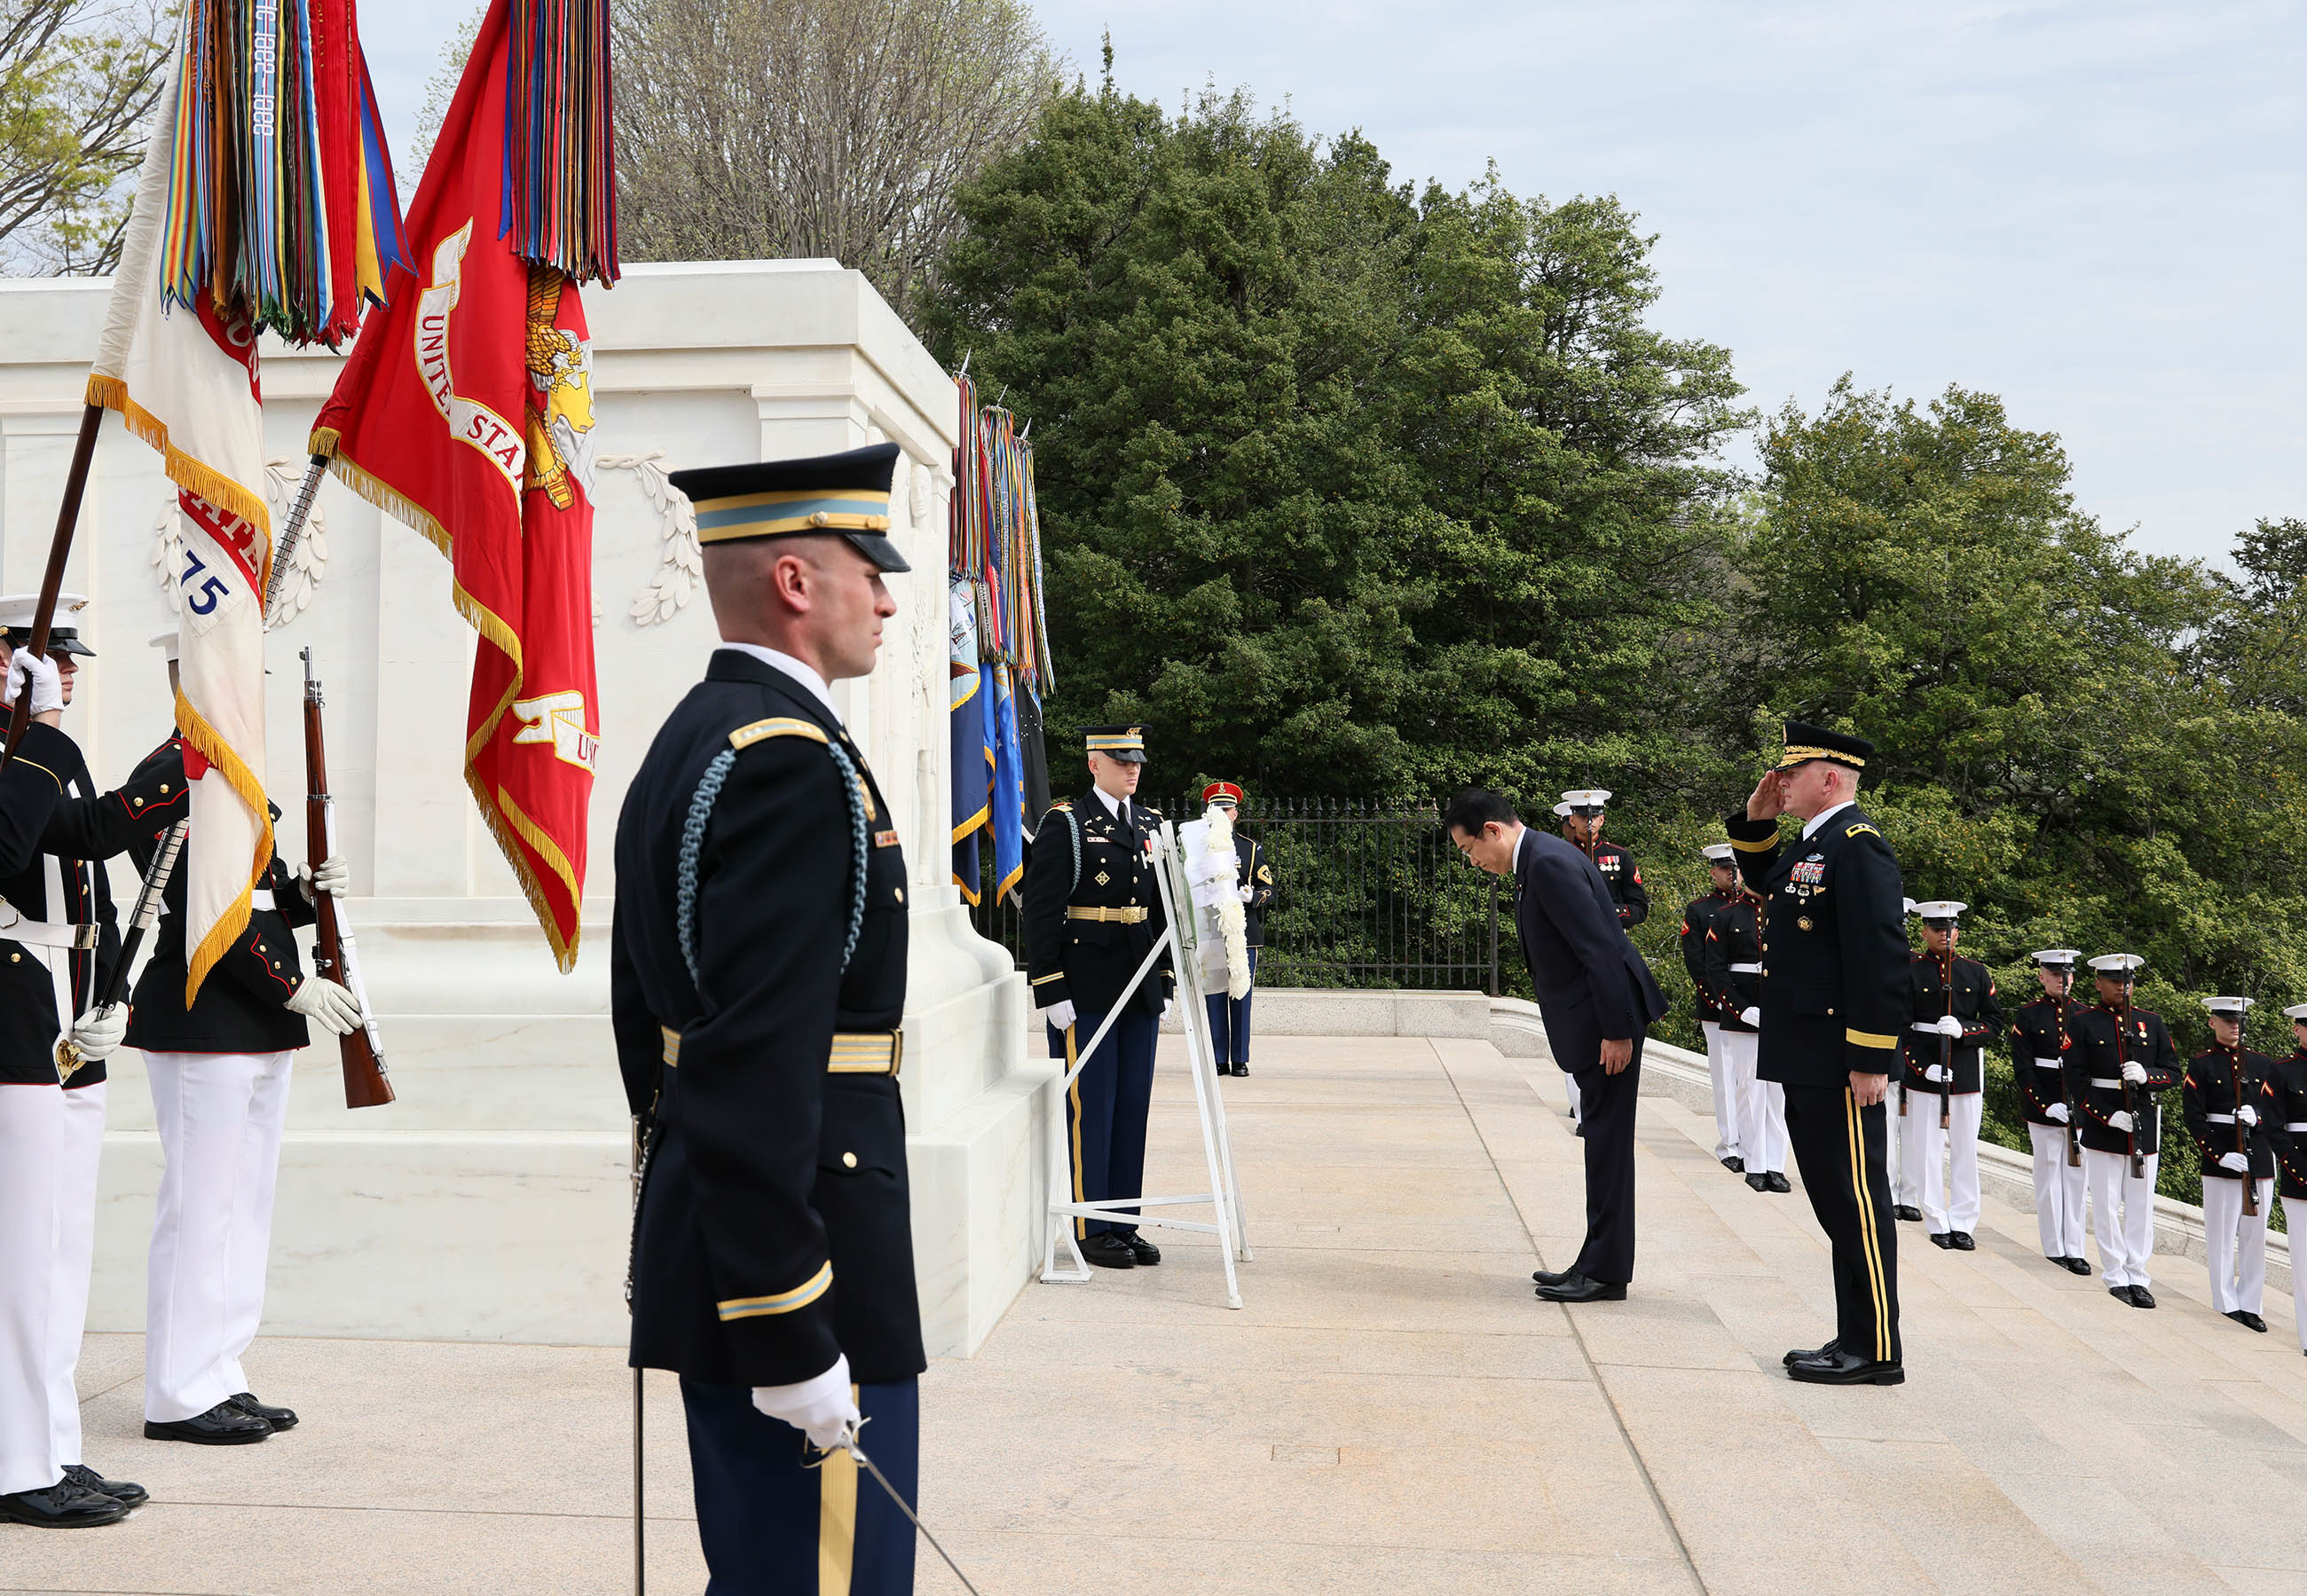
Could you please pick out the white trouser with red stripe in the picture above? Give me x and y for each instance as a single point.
(2058, 1193)
(2235, 1245)
(220, 1116)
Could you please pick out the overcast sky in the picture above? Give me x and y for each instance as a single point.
(2096, 210)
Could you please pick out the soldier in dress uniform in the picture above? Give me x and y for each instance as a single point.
(2284, 1114)
(2039, 1052)
(1253, 878)
(57, 946)
(1698, 917)
(1833, 1000)
(2120, 1058)
(2225, 1096)
(1092, 912)
(1954, 1012)
(219, 1073)
(1734, 977)
(757, 990)
(1583, 811)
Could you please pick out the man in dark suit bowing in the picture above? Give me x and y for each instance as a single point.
(1596, 997)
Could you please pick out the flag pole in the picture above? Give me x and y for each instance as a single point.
(91, 418)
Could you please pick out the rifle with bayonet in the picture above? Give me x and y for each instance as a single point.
(1946, 1043)
(2243, 1131)
(2074, 1131)
(147, 909)
(360, 1050)
(2129, 1108)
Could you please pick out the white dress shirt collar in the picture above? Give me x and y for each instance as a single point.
(1822, 820)
(1112, 804)
(808, 678)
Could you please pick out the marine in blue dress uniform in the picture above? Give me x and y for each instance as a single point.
(758, 989)
(1092, 912)
(1254, 880)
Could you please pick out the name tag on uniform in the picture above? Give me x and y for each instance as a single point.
(885, 839)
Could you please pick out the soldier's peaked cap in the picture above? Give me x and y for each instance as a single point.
(1124, 742)
(2057, 958)
(18, 611)
(1222, 792)
(2229, 1007)
(1584, 801)
(2118, 966)
(1721, 853)
(844, 495)
(2297, 1011)
(1940, 911)
(1806, 742)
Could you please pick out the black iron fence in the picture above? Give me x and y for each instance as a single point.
(1366, 895)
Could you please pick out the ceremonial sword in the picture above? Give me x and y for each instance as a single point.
(848, 1442)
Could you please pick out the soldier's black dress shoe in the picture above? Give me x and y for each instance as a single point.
(278, 1418)
(1579, 1288)
(126, 1492)
(2079, 1266)
(1813, 1354)
(1108, 1251)
(63, 1506)
(2249, 1320)
(1140, 1248)
(2141, 1297)
(1943, 1239)
(1758, 1181)
(1734, 1165)
(1962, 1241)
(1846, 1368)
(1240, 1067)
(1779, 1181)
(1549, 1276)
(1908, 1212)
(223, 1425)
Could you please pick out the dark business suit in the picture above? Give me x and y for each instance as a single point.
(1592, 985)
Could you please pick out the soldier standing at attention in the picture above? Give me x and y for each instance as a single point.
(2121, 1057)
(1092, 912)
(1582, 812)
(1955, 1009)
(1698, 917)
(2286, 1113)
(2223, 1095)
(1734, 976)
(2038, 1051)
(758, 988)
(1253, 878)
(1833, 1000)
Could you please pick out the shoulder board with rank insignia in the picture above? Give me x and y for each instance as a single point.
(1862, 828)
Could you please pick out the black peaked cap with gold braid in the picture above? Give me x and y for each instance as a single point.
(842, 495)
(1806, 742)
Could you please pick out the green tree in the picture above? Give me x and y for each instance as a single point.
(78, 83)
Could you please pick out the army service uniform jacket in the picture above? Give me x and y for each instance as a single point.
(2101, 1044)
(1698, 917)
(1834, 948)
(2283, 1113)
(242, 1007)
(1254, 870)
(1090, 957)
(2215, 1082)
(53, 881)
(1976, 1003)
(1735, 938)
(1625, 879)
(757, 1024)
(2038, 1056)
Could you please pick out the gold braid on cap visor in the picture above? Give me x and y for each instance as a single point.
(1799, 753)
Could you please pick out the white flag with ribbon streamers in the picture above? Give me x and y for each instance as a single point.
(185, 383)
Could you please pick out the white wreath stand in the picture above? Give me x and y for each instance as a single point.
(1224, 1195)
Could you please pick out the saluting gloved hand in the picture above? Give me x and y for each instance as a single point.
(327, 1005)
(2120, 1121)
(1060, 1015)
(2134, 1072)
(47, 684)
(2247, 1114)
(2235, 1161)
(96, 1033)
(333, 877)
(1751, 1017)
(2056, 1113)
(1935, 1074)
(820, 1408)
(1948, 1025)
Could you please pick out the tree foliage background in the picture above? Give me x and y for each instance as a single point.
(1357, 488)
(78, 83)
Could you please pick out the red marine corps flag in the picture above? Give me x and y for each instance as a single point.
(466, 411)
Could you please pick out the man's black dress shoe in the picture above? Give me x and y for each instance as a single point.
(2079, 1266)
(1108, 1251)
(1140, 1248)
(223, 1425)
(1241, 1066)
(1962, 1241)
(1579, 1288)
(1908, 1212)
(1799, 1355)
(126, 1492)
(1758, 1181)
(2141, 1297)
(278, 1418)
(1734, 1165)
(1779, 1181)
(1549, 1276)
(1943, 1239)
(1846, 1368)
(63, 1506)
(2249, 1320)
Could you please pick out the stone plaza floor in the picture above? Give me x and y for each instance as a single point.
(1391, 1412)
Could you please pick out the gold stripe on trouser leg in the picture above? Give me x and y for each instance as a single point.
(1072, 1096)
(1867, 1231)
(836, 1519)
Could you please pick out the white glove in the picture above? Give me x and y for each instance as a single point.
(334, 878)
(47, 685)
(821, 1408)
(94, 1035)
(2135, 1072)
(1167, 1004)
(2247, 1114)
(1948, 1025)
(327, 1005)
(2056, 1113)
(1751, 1017)
(1060, 1014)
(2119, 1120)
(2236, 1162)
(1935, 1074)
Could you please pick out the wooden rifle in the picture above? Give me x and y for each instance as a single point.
(1946, 1043)
(2122, 1023)
(2242, 1133)
(360, 1050)
(148, 910)
(2074, 1131)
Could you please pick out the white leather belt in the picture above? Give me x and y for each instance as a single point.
(2047, 1064)
(1745, 969)
(2218, 1118)
(2295, 1125)
(43, 933)
(261, 898)
(2102, 1082)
